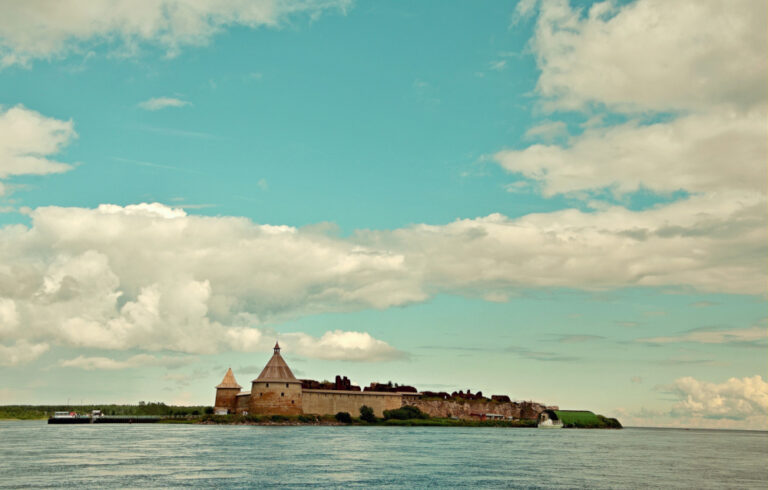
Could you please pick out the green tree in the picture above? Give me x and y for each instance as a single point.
(405, 413)
(344, 417)
(366, 414)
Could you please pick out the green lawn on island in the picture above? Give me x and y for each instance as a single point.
(585, 419)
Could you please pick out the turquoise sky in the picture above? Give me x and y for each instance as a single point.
(624, 271)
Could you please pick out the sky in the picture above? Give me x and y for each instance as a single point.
(559, 201)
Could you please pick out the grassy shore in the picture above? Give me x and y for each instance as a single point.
(198, 415)
(41, 412)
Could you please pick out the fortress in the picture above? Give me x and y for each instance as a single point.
(276, 391)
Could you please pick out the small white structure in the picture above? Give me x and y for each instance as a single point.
(548, 420)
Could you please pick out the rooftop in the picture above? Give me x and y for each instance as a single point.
(277, 370)
(229, 381)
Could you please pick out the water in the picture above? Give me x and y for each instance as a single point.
(35, 454)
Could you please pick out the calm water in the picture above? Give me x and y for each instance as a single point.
(36, 454)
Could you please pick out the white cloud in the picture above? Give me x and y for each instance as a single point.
(139, 360)
(340, 345)
(704, 242)
(148, 276)
(734, 399)
(547, 131)
(28, 139)
(498, 65)
(709, 336)
(702, 61)
(697, 153)
(151, 277)
(36, 29)
(21, 352)
(157, 103)
(652, 54)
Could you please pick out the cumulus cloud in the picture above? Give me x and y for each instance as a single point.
(157, 103)
(690, 79)
(27, 141)
(37, 29)
(705, 242)
(745, 336)
(701, 61)
(139, 360)
(341, 345)
(151, 277)
(21, 352)
(651, 54)
(148, 276)
(697, 153)
(737, 398)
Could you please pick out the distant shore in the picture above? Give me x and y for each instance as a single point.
(332, 420)
(200, 415)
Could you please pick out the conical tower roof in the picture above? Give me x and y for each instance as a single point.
(229, 381)
(277, 370)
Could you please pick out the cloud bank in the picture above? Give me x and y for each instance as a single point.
(44, 29)
(651, 54)
(152, 277)
(753, 336)
(736, 398)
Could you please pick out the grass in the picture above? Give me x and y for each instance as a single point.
(39, 412)
(586, 420)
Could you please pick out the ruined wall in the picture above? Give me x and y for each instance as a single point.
(276, 398)
(225, 398)
(330, 402)
(464, 409)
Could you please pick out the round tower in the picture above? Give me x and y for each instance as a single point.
(226, 393)
(276, 391)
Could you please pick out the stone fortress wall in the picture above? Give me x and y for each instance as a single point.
(322, 402)
(277, 392)
(276, 398)
(472, 409)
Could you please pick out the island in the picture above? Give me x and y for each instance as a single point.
(276, 394)
(277, 397)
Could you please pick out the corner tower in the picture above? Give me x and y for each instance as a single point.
(276, 391)
(226, 393)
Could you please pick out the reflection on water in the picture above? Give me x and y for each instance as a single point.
(36, 454)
